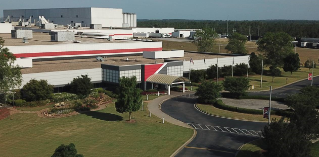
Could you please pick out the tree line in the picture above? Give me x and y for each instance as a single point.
(295, 28)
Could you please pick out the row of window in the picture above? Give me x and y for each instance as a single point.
(175, 70)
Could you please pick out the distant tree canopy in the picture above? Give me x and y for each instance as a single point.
(296, 28)
(204, 39)
(236, 44)
(275, 47)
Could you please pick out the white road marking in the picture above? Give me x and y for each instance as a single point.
(212, 127)
(235, 130)
(254, 132)
(192, 125)
(220, 128)
(228, 129)
(207, 127)
(246, 131)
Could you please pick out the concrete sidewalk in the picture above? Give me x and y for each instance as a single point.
(154, 108)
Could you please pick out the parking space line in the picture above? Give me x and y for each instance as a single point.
(228, 129)
(220, 128)
(192, 125)
(235, 130)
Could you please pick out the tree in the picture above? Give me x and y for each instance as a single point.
(275, 46)
(274, 72)
(208, 92)
(198, 75)
(240, 69)
(36, 90)
(66, 151)
(285, 139)
(255, 63)
(308, 64)
(236, 86)
(81, 86)
(237, 43)
(129, 98)
(10, 74)
(204, 39)
(291, 62)
(212, 72)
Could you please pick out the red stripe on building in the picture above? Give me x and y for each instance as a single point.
(150, 70)
(71, 53)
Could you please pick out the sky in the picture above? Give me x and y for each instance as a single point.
(188, 9)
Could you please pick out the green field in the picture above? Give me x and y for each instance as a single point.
(253, 149)
(100, 133)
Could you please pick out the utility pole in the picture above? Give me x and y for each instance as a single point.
(262, 71)
(217, 71)
(269, 110)
(227, 28)
(249, 34)
(313, 66)
(258, 30)
(232, 69)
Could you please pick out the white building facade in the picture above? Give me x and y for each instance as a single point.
(107, 17)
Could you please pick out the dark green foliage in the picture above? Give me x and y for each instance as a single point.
(198, 75)
(66, 151)
(237, 43)
(225, 71)
(274, 72)
(236, 86)
(36, 90)
(10, 74)
(129, 98)
(308, 64)
(110, 94)
(208, 92)
(291, 62)
(212, 72)
(255, 63)
(81, 86)
(19, 102)
(204, 39)
(275, 46)
(295, 28)
(240, 69)
(285, 139)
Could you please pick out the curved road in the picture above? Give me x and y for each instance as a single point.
(217, 137)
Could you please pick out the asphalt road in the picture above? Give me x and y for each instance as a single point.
(216, 137)
(289, 89)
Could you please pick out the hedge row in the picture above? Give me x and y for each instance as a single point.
(229, 95)
(220, 104)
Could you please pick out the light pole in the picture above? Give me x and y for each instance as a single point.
(261, 76)
(217, 71)
(313, 66)
(269, 110)
(232, 69)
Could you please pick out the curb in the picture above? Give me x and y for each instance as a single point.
(186, 143)
(239, 148)
(204, 112)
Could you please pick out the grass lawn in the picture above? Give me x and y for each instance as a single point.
(281, 81)
(234, 115)
(100, 133)
(253, 149)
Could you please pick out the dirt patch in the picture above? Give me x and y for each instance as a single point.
(131, 121)
(4, 113)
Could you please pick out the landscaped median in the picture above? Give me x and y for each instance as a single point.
(221, 110)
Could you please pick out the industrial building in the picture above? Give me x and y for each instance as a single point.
(107, 17)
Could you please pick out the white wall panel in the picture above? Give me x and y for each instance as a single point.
(23, 63)
(200, 64)
(5, 27)
(108, 17)
(57, 78)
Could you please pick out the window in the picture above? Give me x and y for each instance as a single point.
(61, 16)
(77, 16)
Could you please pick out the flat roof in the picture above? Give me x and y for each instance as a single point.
(45, 39)
(90, 63)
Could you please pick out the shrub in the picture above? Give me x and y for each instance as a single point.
(236, 86)
(36, 90)
(61, 110)
(110, 94)
(66, 151)
(19, 102)
(274, 72)
(60, 97)
(211, 72)
(225, 71)
(308, 64)
(81, 86)
(240, 69)
(151, 90)
(198, 75)
(208, 92)
(255, 63)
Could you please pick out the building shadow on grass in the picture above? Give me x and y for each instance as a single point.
(103, 116)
